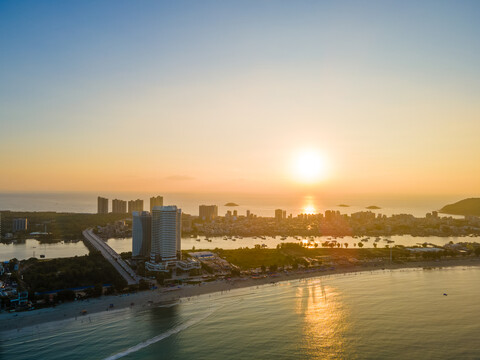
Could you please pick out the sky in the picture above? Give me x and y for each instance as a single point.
(220, 96)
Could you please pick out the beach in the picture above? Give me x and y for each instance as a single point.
(72, 311)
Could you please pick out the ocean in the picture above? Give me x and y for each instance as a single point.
(259, 204)
(400, 314)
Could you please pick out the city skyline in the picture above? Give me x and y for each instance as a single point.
(385, 93)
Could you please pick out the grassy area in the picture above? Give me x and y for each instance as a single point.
(289, 254)
(62, 226)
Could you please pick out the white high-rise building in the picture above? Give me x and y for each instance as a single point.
(166, 234)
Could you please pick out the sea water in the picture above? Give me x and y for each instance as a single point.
(25, 249)
(259, 204)
(400, 314)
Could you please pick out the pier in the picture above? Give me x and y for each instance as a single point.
(111, 255)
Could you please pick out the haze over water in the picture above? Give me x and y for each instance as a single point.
(262, 205)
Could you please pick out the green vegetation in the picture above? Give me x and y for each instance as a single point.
(291, 254)
(253, 258)
(62, 226)
(463, 207)
(65, 273)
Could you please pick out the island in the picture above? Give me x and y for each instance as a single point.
(466, 207)
(231, 204)
(373, 207)
(343, 205)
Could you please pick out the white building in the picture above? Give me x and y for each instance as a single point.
(166, 238)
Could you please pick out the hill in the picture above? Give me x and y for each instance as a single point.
(463, 207)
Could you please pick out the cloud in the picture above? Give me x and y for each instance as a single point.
(179, 178)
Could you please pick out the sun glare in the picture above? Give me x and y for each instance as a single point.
(309, 210)
(309, 166)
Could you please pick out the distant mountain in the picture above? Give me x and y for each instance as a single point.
(463, 207)
(373, 207)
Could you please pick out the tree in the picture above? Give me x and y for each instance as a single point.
(346, 245)
(97, 290)
(143, 285)
(375, 245)
(360, 244)
(66, 295)
(234, 272)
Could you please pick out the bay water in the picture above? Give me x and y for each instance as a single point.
(399, 314)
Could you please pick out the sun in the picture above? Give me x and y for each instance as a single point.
(309, 166)
(309, 210)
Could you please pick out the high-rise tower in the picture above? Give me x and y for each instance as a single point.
(141, 234)
(166, 233)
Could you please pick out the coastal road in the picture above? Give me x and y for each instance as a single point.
(111, 255)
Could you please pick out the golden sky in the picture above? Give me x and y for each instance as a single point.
(222, 97)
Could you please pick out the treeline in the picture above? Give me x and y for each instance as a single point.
(62, 226)
(65, 273)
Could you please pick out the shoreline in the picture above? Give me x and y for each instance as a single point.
(71, 311)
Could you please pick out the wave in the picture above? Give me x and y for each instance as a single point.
(162, 336)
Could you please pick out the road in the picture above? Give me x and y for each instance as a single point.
(108, 253)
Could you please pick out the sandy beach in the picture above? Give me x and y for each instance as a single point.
(141, 300)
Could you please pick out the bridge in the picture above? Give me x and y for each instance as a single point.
(111, 255)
